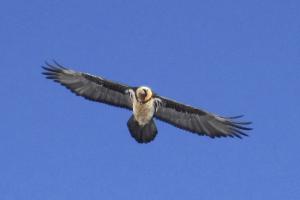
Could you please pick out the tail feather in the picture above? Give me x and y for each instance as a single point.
(142, 134)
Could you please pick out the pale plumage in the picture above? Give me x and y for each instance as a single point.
(145, 105)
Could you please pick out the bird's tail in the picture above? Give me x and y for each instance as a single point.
(142, 134)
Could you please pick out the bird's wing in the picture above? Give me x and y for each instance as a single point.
(88, 86)
(199, 121)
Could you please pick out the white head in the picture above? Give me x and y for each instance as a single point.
(143, 94)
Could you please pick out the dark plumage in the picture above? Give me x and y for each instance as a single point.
(145, 105)
(199, 121)
(89, 86)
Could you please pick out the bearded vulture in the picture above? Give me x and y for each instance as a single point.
(145, 105)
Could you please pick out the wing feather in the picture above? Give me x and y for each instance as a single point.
(199, 121)
(88, 86)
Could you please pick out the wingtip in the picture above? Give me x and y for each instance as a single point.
(238, 124)
(48, 64)
(51, 71)
(57, 64)
(235, 117)
(239, 133)
(237, 128)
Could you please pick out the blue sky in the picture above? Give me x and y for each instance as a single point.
(228, 57)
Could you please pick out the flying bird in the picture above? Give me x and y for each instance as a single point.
(145, 106)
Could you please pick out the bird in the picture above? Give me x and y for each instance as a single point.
(145, 105)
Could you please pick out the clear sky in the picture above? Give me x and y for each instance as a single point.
(228, 57)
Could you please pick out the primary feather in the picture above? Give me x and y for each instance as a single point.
(88, 86)
(199, 121)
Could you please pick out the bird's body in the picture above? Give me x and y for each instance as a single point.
(145, 106)
(143, 112)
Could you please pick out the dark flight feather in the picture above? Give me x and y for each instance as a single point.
(182, 116)
(88, 86)
(199, 121)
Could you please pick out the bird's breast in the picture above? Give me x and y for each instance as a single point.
(143, 113)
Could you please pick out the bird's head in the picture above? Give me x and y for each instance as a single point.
(143, 94)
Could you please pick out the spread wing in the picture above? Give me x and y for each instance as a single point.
(88, 86)
(199, 121)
